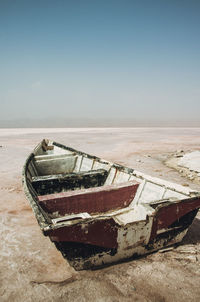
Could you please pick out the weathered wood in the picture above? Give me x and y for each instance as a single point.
(46, 146)
(102, 233)
(174, 214)
(71, 181)
(52, 156)
(92, 200)
(56, 165)
(100, 225)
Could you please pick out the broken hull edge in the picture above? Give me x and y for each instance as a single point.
(93, 257)
(112, 257)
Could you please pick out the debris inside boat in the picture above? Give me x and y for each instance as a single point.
(97, 212)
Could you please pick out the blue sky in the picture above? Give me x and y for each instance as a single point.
(128, 59)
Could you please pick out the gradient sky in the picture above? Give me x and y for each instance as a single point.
(134, 59)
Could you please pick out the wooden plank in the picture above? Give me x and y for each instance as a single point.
(78, 163)
(86, 164)
(98, 233)
(171, 213)
(111, 176)
(151, 192)
(71, 181)
(100, 165)
(52, 156)
(55, 165)
(121, 177)
(93, 200)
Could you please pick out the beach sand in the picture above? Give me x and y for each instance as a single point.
(31, 269)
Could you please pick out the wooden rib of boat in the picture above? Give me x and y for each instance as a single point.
(97, 212)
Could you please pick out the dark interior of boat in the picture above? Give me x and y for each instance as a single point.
(50, 184)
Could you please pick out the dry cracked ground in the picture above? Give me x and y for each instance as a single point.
(30, 267)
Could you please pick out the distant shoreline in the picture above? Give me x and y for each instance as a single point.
(23, 131)
(54, 126)
(71, 122)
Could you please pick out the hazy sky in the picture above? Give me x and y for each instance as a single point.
(100, 58)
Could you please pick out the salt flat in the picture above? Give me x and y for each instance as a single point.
(191, 161)
(30, 267)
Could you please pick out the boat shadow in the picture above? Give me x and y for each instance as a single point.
(193, 234)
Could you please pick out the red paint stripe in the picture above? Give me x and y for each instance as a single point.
(170, 213)
(100, 232)
(93, 200)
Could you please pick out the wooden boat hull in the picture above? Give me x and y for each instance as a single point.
(124, 215)
(104, 241)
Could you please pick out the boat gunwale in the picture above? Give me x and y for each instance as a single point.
(42, 218)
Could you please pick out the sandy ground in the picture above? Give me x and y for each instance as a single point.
(30, 267)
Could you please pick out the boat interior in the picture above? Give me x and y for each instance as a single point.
(82, 185)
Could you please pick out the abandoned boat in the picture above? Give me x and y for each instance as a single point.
(97, 212)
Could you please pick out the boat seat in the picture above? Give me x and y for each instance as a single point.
(55, 164)
(52, 156)
(49, 184)
(92, 200)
